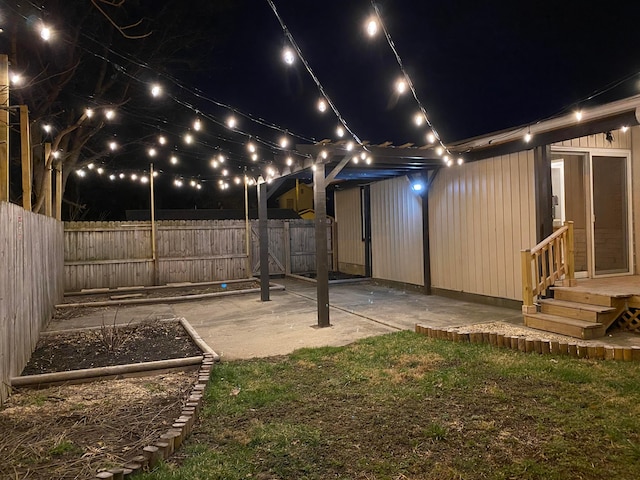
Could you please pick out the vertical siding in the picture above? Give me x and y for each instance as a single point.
(396, 232)
(350, 246)
(31, 283)
(635, 191)
(481, 215)
(620, 140)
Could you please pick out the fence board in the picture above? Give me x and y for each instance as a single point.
(118, 254)
(31, 283)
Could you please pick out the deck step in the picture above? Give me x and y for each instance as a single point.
(564, 326)
(572, 294)
(579, 311)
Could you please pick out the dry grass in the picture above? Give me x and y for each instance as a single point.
(72, 431)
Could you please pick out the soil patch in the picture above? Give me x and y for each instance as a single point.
(144, 342)
(73, 431)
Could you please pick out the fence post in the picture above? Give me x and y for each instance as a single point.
(570, 280)
(287, 248)
(527, 287)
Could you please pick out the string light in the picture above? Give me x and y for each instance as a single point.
(439, 151)
(221, 158)
(418, 119)
(401, 86)
(284, 142)
(624, 129)
(144, 179)
(110, 114)
(231, 122)
(288, 56)
(322, 105)
(254, 157)
(81, 173)
(113, 146)
(121, 176)
(251, 147)
(197, 125)
(578, 115)
(527, 137)
(188, 139)
(340, 131)
(162, 140)
(289, 161)
(112, 177)
(173, 160)
(460, 160)
(16, 78)
(88, 112)
(372, 27)
(152, 152)
(156, 90)
(90, 166)
(431, 138)
(134, 176)
(45, 33)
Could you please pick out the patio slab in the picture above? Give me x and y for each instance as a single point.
(242, 326)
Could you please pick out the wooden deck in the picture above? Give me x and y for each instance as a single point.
(589, 308)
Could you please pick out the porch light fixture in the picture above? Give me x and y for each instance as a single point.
(417, 187)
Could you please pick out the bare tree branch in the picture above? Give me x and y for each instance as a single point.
(119, 28)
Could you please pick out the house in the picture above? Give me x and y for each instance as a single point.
(298, 199)
(464, 237)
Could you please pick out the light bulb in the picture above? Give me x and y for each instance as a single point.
(372, 27)
(340, 131)
(110, 114)
(289, 161)
(16, 79)
(214, 164)
(156, 90)
(439, 151)
(284, 142)
(162, 140)
(254, 157)
(431, 137)
(112, 177)
(322, 105)
(527, 137)
(90, 166)
(418, 119)
(197, 125)
(113, 145)
(47, 128)
(81, 173)
(251, 147)
(121, 176)
(460, 160)
(152, 152)
(221, 158)
(134, 176)
(144, 179)
(288, 56)
(45, 33)
(624, 129)
(231, 122)
(188, 139)
(88, 112)
(401, 86)
(578, 115)
(173, 160)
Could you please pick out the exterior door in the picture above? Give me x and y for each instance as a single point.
(570, 203)
(610, 214)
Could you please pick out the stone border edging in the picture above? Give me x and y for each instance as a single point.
(524, 344)
(173, 438)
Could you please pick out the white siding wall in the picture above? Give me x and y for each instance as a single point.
(481, 215)
(396, 232)
(350, 245)
(598, 140)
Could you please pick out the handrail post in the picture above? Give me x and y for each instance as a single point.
(570, 280)
(527, 287)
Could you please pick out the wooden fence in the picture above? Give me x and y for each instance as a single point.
(120, 254)
(31, 283)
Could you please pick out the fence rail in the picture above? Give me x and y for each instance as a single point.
(31, 283)
(119, 254)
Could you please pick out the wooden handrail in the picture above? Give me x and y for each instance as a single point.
(549, 262)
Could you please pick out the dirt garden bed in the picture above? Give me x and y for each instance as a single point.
(74, 431)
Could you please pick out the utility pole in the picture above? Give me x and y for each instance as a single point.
(4, 128)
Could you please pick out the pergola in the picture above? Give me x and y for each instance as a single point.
(332, 163)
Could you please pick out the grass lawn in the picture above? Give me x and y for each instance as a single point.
(403, 406)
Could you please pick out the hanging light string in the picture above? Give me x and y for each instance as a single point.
(322, 91)
(406, 76)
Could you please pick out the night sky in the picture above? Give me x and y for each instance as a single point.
(477, 67)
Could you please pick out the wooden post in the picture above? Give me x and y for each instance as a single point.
(527, 288)
(247, 225)
(287, 248)
(25, 155)
(322, 267)
(4, 128)
(154, 250)
(59, 194)
(570, 257)
(46, 187)
(263, 229)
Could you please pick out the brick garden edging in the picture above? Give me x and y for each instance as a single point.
(571, 348)
(167, 443)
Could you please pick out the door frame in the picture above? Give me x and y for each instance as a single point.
(588, 154)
